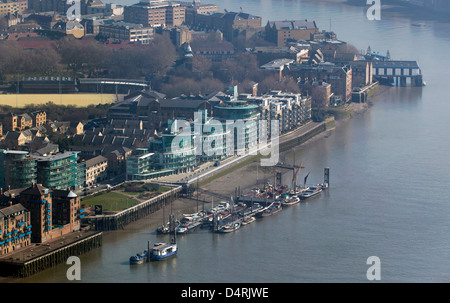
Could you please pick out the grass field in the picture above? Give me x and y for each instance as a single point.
(111, 201)
(80, 100)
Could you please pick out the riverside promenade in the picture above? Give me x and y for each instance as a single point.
(286, 141)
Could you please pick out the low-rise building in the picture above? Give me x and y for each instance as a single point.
(96, 170)
(320, 93)
(39, 117)
(125, 31)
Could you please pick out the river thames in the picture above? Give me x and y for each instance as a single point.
(388, 194)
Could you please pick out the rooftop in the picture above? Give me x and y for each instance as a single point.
(394, 63)
(293, 24)
(95, 161)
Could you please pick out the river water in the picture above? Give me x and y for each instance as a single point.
(388, 194)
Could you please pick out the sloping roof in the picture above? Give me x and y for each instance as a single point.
(64, 193)
(95, 161)
(4, 212)
(36, 189)
(182, 103)
(48, 149)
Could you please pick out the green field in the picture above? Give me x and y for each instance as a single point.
(111, 201)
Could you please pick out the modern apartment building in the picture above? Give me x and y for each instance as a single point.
(241, 118)
(17, 169)
(59, 171)
(174, 149)
(140, 165)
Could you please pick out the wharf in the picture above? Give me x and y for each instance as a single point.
(127, 216)
(34, 258)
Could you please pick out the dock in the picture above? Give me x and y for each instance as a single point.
(40, 256)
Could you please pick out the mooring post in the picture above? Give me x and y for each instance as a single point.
(326, 176)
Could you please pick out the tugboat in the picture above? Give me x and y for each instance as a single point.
(139, 258)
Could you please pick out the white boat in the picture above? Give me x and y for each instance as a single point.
(230, 227)
(162, 251)
(311, 192)
(291, 200)
(248, 220)
(221, 207)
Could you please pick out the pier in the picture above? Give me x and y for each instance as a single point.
(398, 73)
(37, 257)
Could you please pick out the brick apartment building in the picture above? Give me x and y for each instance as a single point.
(15, 228)
(155, 13)
(11, 7)
(282, 32)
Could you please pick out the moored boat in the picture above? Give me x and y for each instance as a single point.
(291, 200)
(139, 258)
(188, 227)
(248, 220)
(310, 192)
(162, 251)
(230, 227)
(270, 210)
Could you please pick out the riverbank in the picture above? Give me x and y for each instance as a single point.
(245, 176)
